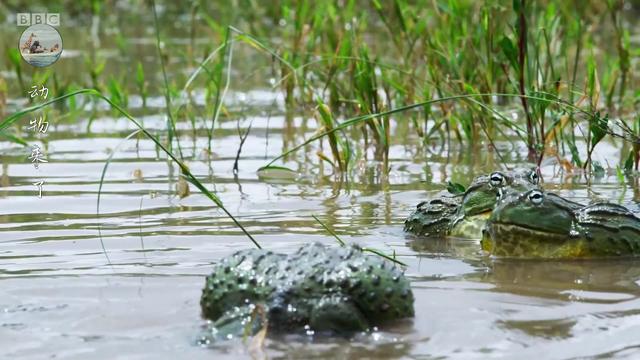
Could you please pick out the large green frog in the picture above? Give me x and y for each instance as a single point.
(543, 225)
(463, 215)
(316, 289)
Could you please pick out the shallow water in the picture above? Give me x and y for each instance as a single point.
(64, 297)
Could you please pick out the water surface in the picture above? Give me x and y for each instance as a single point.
(64, 297)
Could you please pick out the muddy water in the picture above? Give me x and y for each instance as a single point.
(126, 283)
(63, 296)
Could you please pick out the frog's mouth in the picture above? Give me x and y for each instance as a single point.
(518, 240)
(482, 216)
(526, 230)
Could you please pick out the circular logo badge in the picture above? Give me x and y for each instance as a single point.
(40, 45)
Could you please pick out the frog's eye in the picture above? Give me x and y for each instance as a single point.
(534, 178)
(496, 179)
(536, 197)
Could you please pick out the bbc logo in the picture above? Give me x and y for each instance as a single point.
(28, 19)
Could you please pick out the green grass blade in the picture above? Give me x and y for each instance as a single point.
(342, 243)
(13, 138)
(551, 98)
(102, 175)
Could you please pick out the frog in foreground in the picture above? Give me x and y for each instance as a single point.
(464, 215)
(536, 224)
(316, 289)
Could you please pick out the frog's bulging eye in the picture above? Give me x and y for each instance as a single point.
(536, 197)
(496, 179)
(534, 178)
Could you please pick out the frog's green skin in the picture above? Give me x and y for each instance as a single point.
(320, 289)
(542, 225)
(464, 215)
(433, 217)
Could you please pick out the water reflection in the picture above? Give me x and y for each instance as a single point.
(599, 281)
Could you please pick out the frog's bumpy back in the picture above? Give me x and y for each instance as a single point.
(376, 286)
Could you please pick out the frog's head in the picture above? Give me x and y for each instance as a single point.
(535, 210)
(484, 191)
(532, 224)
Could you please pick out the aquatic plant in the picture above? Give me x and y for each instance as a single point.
(549, 77)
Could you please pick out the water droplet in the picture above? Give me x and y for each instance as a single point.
(574, 231)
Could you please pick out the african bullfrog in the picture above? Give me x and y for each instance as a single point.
(537, 224)
(464, 214)
(317, 289)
